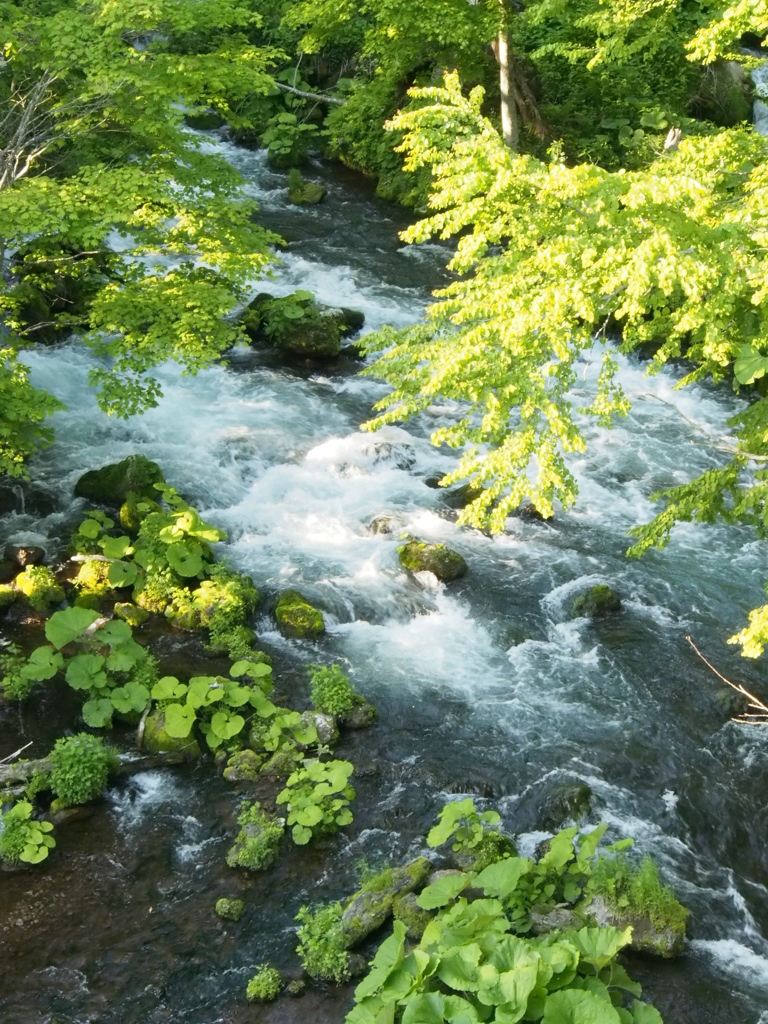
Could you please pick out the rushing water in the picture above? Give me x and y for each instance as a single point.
(484, 687)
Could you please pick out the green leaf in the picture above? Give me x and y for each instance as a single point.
(168, 688)
(443, 891)
(204, 691)
(123, 657)
(179, 719)
(427, 1008)
(458, 968)
(65, 626)
(89, 528)
(301, 835)
(254, 669)
(502, 878)
(749, 365)
(225, 726)
(86, 672)
(43, 664)
(122, 574)
(116, 547)
(598, 946)
(560, 850)
(97, 712)
(644, 1013)
(389, 957)
(114, 632)
(572, 1006)
(185, 558)
(131, 697)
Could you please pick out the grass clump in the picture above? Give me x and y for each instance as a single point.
(637, 889)
(265, 986)
(81, 767)
(258, 840)
(322, 944)
(332, 692)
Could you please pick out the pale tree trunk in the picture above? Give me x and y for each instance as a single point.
(510, 128)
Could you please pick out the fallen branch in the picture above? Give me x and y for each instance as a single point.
(760, 716)
(309, 95)
(15, 754)
(14, 778)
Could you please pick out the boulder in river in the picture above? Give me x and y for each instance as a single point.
(243, 766)
(302, 192)
(325, 726)
(230, 910)
(296, 617)
(370, 907)
(156, 739)
(725, 94)
(442, 561)
(594, 603)
(8, 571)
(131, 614)
(551, 803)
(300, 325)
(112, 484)
(24, 556)
(362, 716)
(657, 933)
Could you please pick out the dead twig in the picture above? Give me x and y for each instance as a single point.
(760, 714)
(16, 753)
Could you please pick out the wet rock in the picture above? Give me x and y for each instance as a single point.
(10, 500)
(296, 617)
(362, 716)
(384, 524)
(406, 909)
(302, 192)
(135, 510)
(243, 766)
(112, 484)
(370, 907)
(299, 325)
(725, 94)
(204, 121)
(492, 847)
(551, 803)
(8, 570)
(279, 765)
(350, 320)
(24, 556)
(296, 988)
(131, 614)
(157, 739)
(665, 940)
(545, 919)
(326, 726)
(594, 603)
(230, 910)
(442, 561)
(63, 815)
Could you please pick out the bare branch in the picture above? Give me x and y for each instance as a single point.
(319, 96)
(761, 718)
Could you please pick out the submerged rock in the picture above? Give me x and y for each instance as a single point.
(492, 847)
(302, 192)
(243, 766)
(296, 617)
(370, 907)
(442, 561)
(551, 803)
(597, 601)
(157, 740)
(362, 716)
(112, 484)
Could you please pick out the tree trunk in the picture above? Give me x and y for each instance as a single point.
(510, 129)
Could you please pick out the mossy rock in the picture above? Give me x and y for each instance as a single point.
(442, 561)
(8, 595)
(156, 740)
(38, 586)
(596, 602)
(546, 919)
(656, 938)
(370, 907)
(24, 555)
(362, 716)
(325, 726)
(131, 614)
(296, 617)
(406, 909)
(492, 847)
(243, 766)
(316, 337)
(230, 910)
(296, 988)
(279, 765)
(725, 94)
(135, 510)
(308, 193)
(300, 325)
(112, 484)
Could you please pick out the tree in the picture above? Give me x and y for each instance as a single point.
(113, 220)
(556, 260)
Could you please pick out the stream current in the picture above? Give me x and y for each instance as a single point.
(484, 687)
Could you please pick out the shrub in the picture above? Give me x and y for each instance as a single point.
(332, 692)
(322, 943)
(258, 840)
(265, 985)
(81, 767)
(317, 796)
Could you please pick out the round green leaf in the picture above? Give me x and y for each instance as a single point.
(86, 672)
(179, 719)
(65, 626)
(43, 663)
(116, 547)
(185, 558)
(89, 528)
(168, 688)
(98, 712)
(122, 574)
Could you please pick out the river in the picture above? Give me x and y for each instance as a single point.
(484, 687)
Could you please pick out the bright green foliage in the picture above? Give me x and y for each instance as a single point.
(332, 692)
(459, 821)
(81, 767)
(638, 890)
(723, 35)
(23, 411)
(39, 587)
(279, 316)
(229, 910)
(94, 143)
(280, 731)
(265, 986)
(20, 674)
(317, 797)
(218, 704)
(322, 943)
(22, 838)
(258, 840)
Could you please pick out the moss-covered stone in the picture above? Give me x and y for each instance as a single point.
(657, 938)
(243, 766)
(39, 588)
(265, 986)
(279, 765)
(258, 841)
(492, 847)
(112, 484)
(362, 716)
(325, 726)
(135, 510)
(157, 740)
(406, 909)
(296, 988)
(545, 919)
(296, 617)
(299, 325)
(306, 193)
(370, 907)
(725, 94)
(230, 910)
(442, 561)
(131, 614)
(8, 595)
(597, 601)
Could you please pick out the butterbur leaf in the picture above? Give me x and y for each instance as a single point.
(425, 1009)
(389, 957)
(123, 657)
(116, 547)
(441, 892)
(254, 669)
(501, 879)
(43, 663)
(344, 817)
(598, 946)
(458, 969)
(587, 844)
(203, 691)
(114, 632)
(309, 816)
(122, 574)
(131, 697)
(65, 626)
(168, 688)
(560, 849)
(86, 672)
(185, 558)
(644, 1013)
(179, 719)
(301, 835)
(89, 528)
(573, 1006)
(98, 712)
(226, 726)
(236, 696)
(616, 976)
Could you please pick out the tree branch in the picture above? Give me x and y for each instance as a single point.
(319, 96)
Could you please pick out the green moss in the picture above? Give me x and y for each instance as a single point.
(158, 740)
(230, 910)
(332, 693)
(443, 562)
(7, 595)
(131, 614)
(297, 987)
(301, 192)
(595, 602)
(39, 587)
(243, 766)
(296, 617)
(158, 589)
(492, 847)
(93, 578)
(112, 484)
(406, 909)
(637, 890)
(322, 944)
(39, 783)
(135, 510)
(265, 986)
(257, 843)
